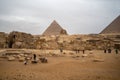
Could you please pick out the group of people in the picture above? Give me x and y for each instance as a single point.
(77, 51)
(110, 50)
(34, 59)
(26, 59)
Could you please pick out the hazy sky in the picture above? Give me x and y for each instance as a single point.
(76, 16)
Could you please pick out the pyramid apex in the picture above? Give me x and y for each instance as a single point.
(54, 21)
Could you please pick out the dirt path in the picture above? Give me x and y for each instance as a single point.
(64, 68)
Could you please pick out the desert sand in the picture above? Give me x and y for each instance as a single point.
(67, 66)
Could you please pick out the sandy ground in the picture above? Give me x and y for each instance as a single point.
(65, 67)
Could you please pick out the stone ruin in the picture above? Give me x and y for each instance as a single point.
(16, 40)
(69, 42)
(15, 54)
(3, 39)
(78, 42)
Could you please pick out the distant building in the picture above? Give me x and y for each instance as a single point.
(55, 29)
(113, 28)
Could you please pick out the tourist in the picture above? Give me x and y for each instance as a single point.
(109, 50)
(61, 50)
(83, 51)
(26, 61)
(104, 50)
(116, 51)
(34, 56)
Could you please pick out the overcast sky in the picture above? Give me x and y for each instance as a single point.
(76, 16)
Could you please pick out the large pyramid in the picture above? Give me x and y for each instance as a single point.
(113, 28)
(54, 29)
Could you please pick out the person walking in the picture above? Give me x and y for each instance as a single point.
(34, 57)
(104, 50)
(83, 51)
(26, 61)
(109, 50)
(61, 50)
(116, 51)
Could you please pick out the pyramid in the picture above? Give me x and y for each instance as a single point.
(54, 29)
(113, 28)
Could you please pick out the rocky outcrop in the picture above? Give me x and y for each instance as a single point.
(69, 42)
(3, 40)
(20, 40)
(16, 40)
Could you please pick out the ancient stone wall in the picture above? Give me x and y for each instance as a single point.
(69, 42)
(16, 40)
(20, 40)
(3, 40)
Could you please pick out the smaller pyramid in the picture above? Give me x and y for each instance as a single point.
(54, 29)
(113, 28)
